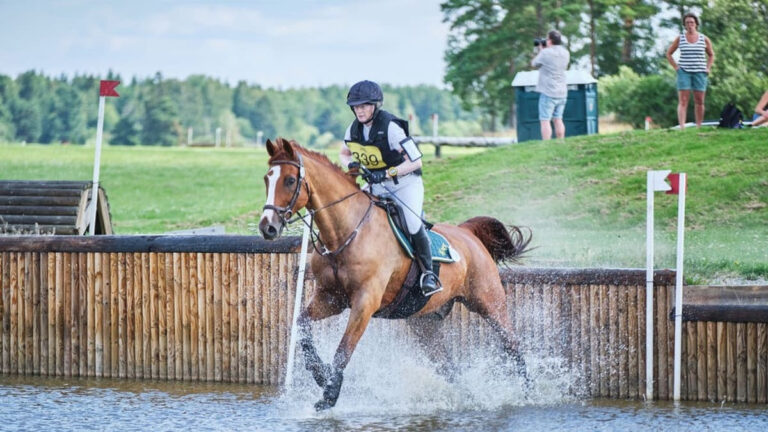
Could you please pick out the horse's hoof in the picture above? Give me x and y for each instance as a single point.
(323, 405)
(331, 391)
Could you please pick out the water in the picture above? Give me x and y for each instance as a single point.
(389, 385)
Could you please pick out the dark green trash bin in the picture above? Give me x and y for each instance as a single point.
(580, 116)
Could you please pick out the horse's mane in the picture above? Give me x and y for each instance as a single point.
(316, 156)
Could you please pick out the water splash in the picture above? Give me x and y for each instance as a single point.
(391, 374)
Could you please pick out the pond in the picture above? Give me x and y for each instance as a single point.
(35, 403)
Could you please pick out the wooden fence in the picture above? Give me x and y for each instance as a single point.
(218, 308)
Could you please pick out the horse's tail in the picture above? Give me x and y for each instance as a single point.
(502, 243)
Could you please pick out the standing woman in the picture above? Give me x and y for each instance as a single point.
(696, 58)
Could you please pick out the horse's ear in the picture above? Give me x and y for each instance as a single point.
(271, 148)
(287, 147)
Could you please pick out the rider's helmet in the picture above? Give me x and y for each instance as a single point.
(365, 92)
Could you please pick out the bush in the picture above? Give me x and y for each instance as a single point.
(632, 97)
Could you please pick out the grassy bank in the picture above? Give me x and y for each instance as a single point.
(584, 198)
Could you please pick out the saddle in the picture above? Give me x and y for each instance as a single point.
(410, 299)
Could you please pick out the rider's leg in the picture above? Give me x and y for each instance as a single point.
(423, 252)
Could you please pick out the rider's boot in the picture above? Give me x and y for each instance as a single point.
(430, 284)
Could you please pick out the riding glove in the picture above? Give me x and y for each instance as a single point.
(377, 176)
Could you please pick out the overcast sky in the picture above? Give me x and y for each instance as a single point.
(288, 43)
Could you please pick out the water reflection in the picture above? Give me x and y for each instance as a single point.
(35, 403)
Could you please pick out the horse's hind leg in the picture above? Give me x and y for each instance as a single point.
(491, 304)
(428, 331)
(322, 305)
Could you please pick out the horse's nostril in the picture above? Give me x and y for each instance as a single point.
(271, 231)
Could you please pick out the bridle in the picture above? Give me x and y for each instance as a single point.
(285, 212)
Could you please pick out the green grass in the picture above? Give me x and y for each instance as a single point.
(584, 197)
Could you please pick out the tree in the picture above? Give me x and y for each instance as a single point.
(160, 125)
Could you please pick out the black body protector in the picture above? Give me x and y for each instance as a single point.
(375, 154)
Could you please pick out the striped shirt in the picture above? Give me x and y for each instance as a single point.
(693, 56)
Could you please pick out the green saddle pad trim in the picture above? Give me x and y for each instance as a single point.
(441, 249)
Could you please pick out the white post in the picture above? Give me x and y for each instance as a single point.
(259, 136)
(679, 282)
(218, 136)
(647, 122)
(434, 125)
(96, 165)
(297, 308)
(649, 289)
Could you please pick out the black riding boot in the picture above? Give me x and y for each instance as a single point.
(429, 282)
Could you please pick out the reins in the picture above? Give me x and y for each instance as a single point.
(286, 212)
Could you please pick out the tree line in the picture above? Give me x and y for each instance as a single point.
(616, 40)
(160, 111)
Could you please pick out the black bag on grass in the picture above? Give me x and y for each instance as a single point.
(730, 117)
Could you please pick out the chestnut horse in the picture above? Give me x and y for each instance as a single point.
(360, 265)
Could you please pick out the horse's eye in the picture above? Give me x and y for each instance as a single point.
(290, 181)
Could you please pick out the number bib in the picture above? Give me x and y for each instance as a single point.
(368, 155)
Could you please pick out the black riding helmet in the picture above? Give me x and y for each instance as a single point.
(365, 92)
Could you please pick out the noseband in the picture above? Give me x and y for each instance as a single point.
(286, 212)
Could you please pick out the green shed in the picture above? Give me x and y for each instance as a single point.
(580, 116)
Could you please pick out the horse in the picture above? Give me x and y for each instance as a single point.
(359, 264)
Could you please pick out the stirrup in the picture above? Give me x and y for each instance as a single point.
(438, 284)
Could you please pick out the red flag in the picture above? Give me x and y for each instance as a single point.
(674, 182)
(107, 88)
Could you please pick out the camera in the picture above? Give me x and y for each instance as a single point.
(542, 42)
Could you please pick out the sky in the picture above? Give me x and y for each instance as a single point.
(280, 44)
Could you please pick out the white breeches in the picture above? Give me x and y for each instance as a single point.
(409, 194)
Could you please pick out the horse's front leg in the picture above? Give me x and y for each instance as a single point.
(322, 305)
(363, 306)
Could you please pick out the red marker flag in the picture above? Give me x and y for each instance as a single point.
(107, 88)
(674, 182)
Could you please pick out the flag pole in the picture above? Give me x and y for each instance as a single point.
(649, 288)
(106, 88)
(96, 165)
(682, 182)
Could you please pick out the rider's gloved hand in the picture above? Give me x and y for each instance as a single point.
(377, 176)
(353, 165)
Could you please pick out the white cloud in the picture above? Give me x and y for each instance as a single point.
(288, 43)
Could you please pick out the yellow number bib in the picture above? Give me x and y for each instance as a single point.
(369, 156)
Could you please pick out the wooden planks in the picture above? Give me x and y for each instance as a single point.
(225, 316)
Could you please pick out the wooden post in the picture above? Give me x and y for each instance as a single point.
(47, 263)
(242, 302)
(202, 342)
(751, 362)
(145, 316)
(701, 358)
(711, 361)
(253, 327)
(67, 313)
(741, 362)
(91, 314)
(150, 262)
(210, 361)
(58, 335)
(98, 316)
(762, 363)
(186, 326)
(217, 318)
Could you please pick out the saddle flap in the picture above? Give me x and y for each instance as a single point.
(441, 249)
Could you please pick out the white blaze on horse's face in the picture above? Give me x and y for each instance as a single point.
(273, 175)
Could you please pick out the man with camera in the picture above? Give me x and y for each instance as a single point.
(552, 61)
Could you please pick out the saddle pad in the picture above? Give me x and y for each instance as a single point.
(440, 247)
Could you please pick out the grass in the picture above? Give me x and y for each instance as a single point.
(584, 197)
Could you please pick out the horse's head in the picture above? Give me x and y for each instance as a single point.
(287, 187)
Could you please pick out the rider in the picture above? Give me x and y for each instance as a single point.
(379, 141)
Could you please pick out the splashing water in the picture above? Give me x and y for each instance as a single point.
(391, 374)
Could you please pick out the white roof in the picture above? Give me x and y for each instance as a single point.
(530, 78)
